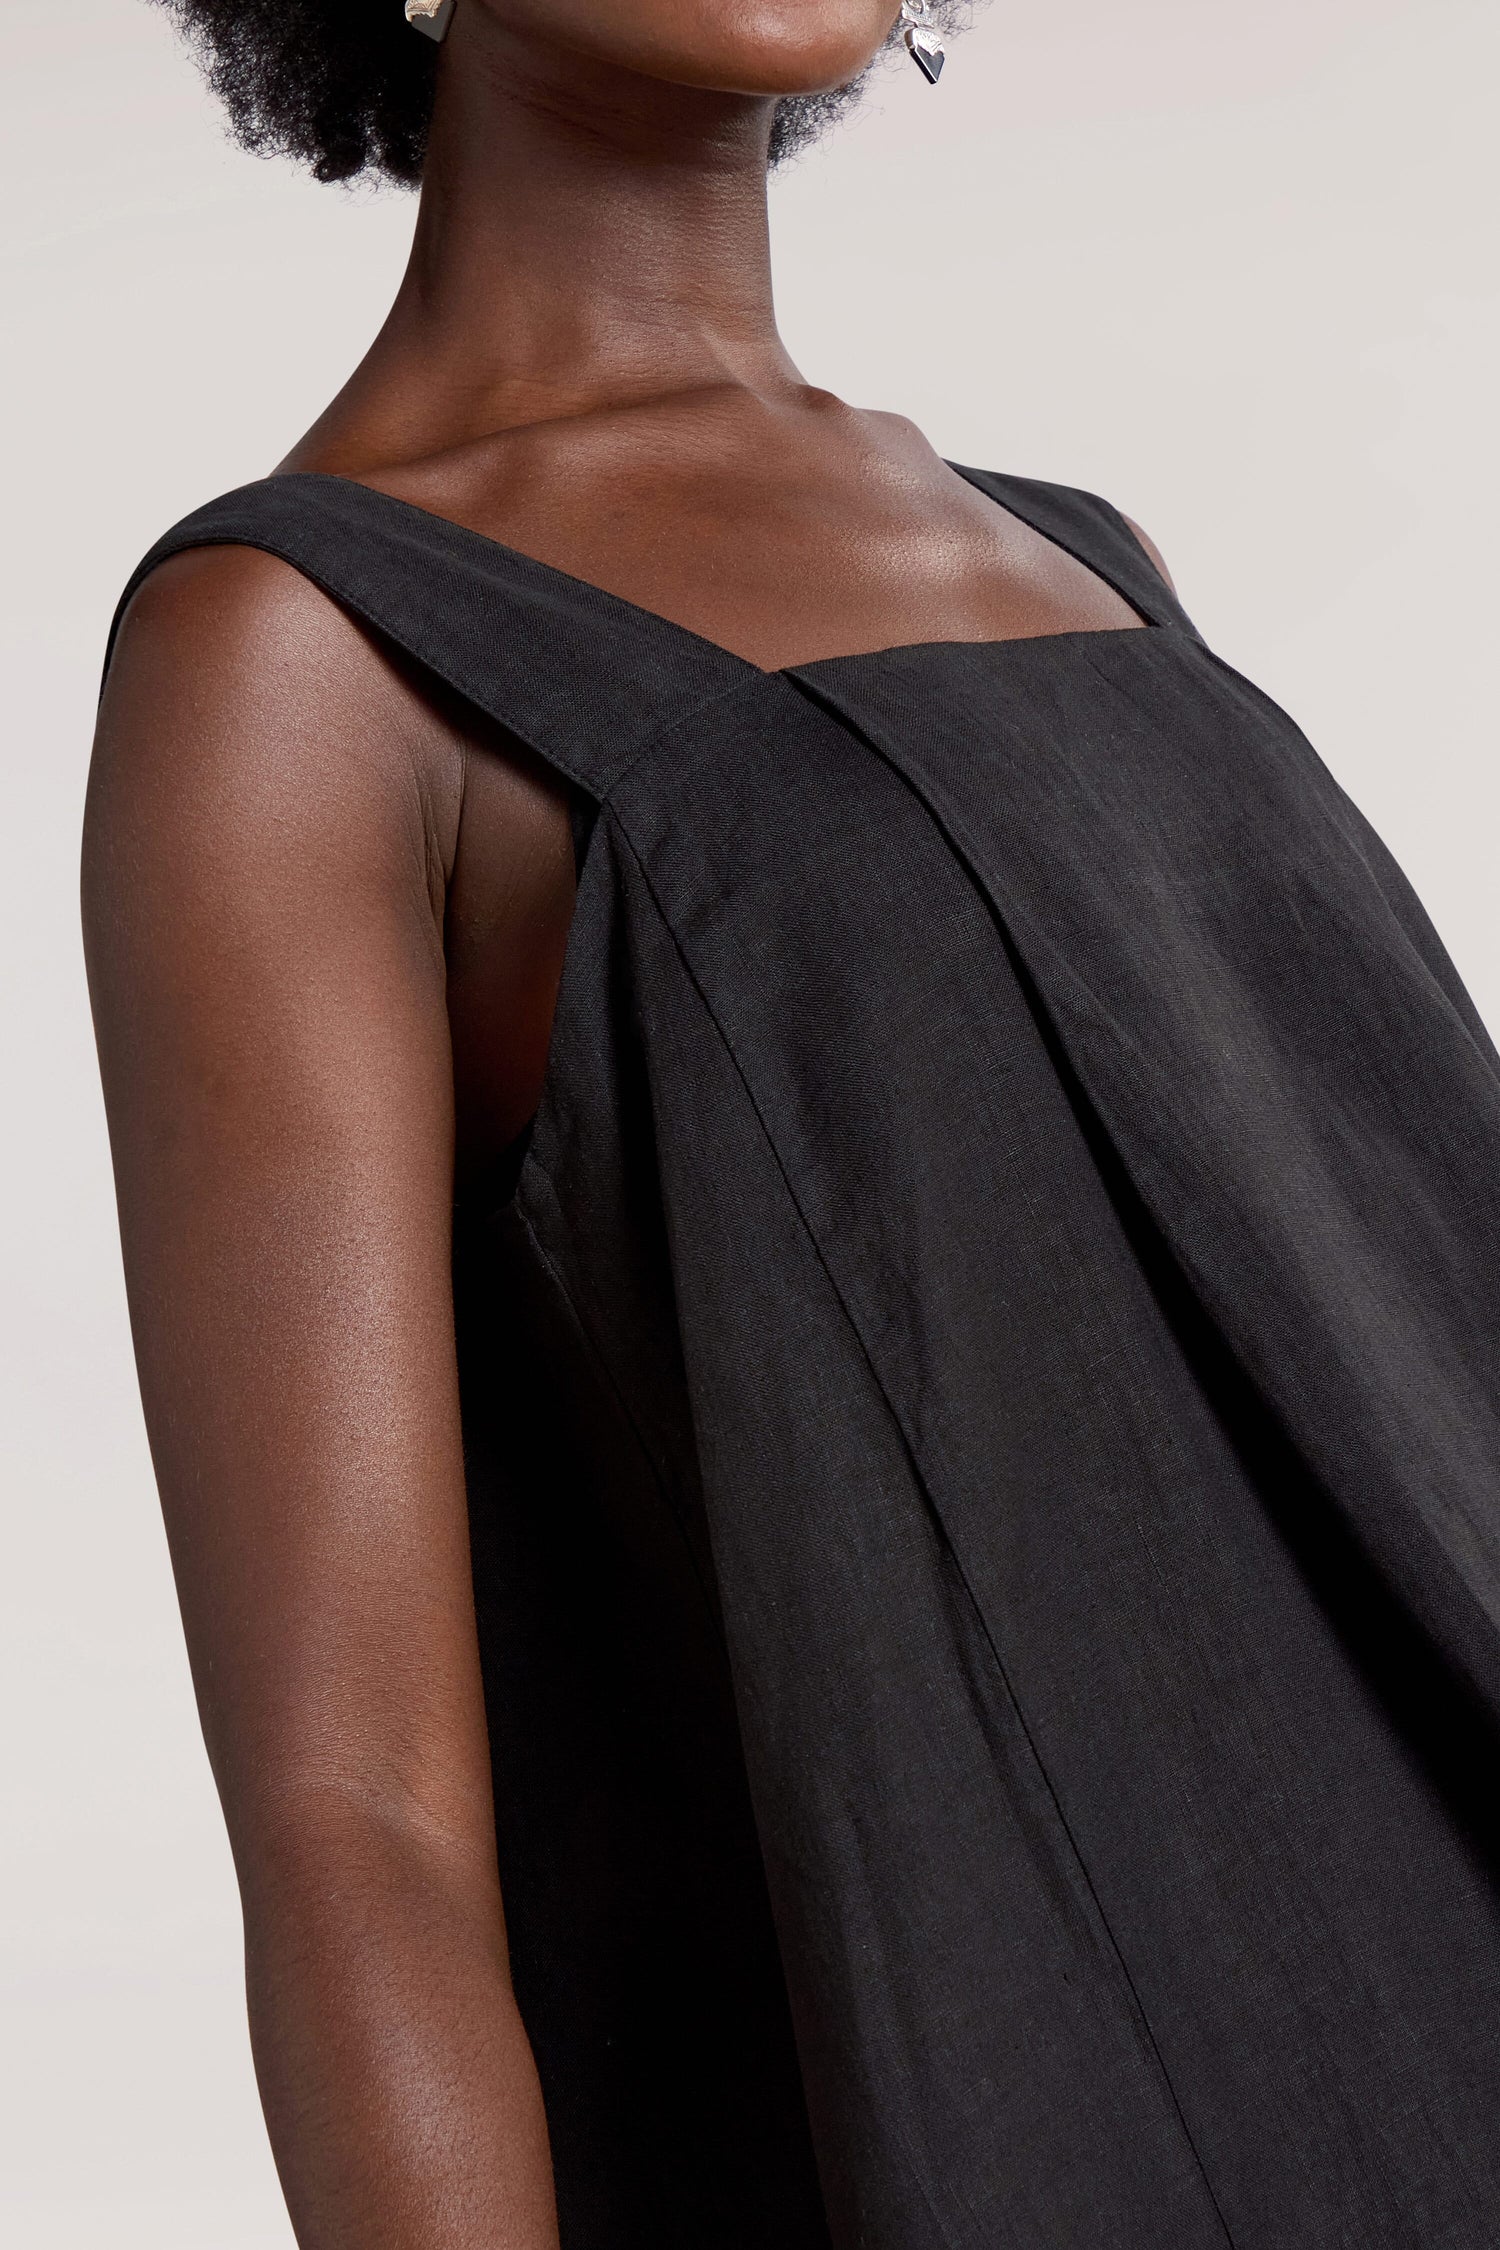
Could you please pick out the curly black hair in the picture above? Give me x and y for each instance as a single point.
(345, 86)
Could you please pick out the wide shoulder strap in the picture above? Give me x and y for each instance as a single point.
(584, 679)
(1092, 531)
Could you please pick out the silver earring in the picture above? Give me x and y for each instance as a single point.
(430, 16)
(922, 39)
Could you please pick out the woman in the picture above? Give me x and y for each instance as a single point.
(924, 1403)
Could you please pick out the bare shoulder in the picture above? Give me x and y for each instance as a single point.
(235, 682)
(246, 710)
(261, 853)
(282, 808)
(1153, 551)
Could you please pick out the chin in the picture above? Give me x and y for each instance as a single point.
(771, 47)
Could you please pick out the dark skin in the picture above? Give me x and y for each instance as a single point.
(326, 911)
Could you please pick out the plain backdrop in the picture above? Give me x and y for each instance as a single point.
(1233, 266)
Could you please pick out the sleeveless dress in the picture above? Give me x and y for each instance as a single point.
(983, 1419)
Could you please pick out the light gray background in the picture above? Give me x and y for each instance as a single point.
(1234, 266)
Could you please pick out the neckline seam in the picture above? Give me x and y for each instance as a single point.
(637, 617)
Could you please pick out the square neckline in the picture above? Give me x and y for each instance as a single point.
(641, 617)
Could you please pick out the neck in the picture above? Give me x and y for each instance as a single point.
(587, 237)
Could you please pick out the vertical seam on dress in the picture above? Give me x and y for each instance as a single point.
(618, 1393)
(1136, 2004)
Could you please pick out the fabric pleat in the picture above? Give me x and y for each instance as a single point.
(983, 1417)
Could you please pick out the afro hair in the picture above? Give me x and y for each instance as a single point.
(345, 87)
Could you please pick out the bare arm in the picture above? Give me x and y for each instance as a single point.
(263, 882)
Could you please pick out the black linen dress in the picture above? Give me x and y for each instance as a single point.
(981, 1404)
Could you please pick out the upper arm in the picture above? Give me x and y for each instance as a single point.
(262, 907)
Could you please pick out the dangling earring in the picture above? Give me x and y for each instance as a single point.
(922, 40)
(430, 16)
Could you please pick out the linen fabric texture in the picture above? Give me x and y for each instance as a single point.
(981, 1408)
